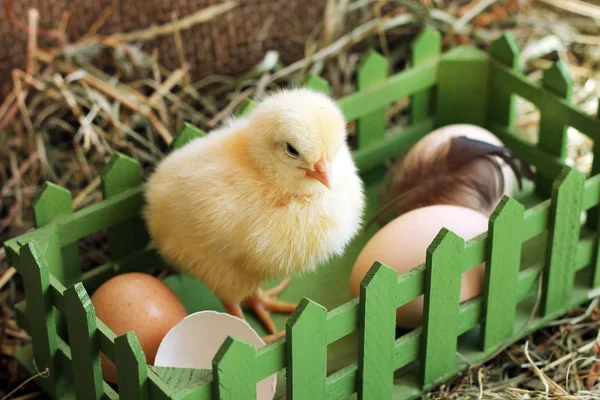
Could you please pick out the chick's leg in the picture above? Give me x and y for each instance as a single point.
(263, 302)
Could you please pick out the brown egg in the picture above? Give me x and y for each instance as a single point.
(140, 303)
(402, 244)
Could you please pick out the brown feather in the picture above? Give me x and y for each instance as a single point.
(460, 171)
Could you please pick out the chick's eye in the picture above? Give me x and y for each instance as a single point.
(292, 152)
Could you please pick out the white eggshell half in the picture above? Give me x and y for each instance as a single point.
(402, 244)
(477, 133)
(194, 341)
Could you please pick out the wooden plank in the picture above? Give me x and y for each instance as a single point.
(233, 371)
(440, 308)
(462, 91)
(246, 107)
(132, 372)
(593, 221)
(553, 137)
(377, 333)
(85, 352)
(563, 238)
(52, 203)
(371, 127)
(398, 142)
(425, 48)
(306, 348)
(502, 272)
(407, 348)
(342, 321)
(342, 384)
(502, 107)
(187, 134)
(102, 215)
(554, 108)
(41, 318)
(120, 174)
(410, 285)
(270, 359)
(317, 83)
(591, 193)
(403, 84)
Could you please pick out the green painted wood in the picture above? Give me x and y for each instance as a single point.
(270, 359)
(553, 137)
(440, 306)
(563, 238)
(372, 70)
(591, 194)
(502, 272)
(187, 134)
(233, 371)
(398, 142)
(403, 84)
(245, 107)
(132, 371)
(41, 318)
(186, 382)
(553, 107)
(502, 108)
(593, 219)
(462, 91)
(120, 174)
(54, 202)
(158, 388)
(377, 330)
(306, 348)
(342, 321)
(411, 285)
(425, 48)
(85, 352)
(342, 384)
(317, 83)
(407, 348)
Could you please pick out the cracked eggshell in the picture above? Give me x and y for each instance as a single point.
(194, 341)
(402, 244)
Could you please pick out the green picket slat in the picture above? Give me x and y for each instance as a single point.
(120, 174)
(563, 238)
(306, 348)
(593, 219)
(552, 137)
(502, 108)
(373, 70)
(443, 273)
(187, 134)
(426, 47)
(317, 83)
(132, 371)
(462, 95)
(502, 272)
(41, 318)
(377, 330)
(234, 371)
(54, 202)
(85, 351)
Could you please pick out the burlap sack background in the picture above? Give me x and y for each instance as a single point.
(231, 43)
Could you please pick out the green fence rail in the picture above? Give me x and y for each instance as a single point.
(464, 85)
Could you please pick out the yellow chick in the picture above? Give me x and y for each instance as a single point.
(272, 194)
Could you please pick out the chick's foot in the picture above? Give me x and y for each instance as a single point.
(263, 302)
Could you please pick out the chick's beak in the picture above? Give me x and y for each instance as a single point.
(322, 172)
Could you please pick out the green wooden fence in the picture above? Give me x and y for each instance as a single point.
(463, 85)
